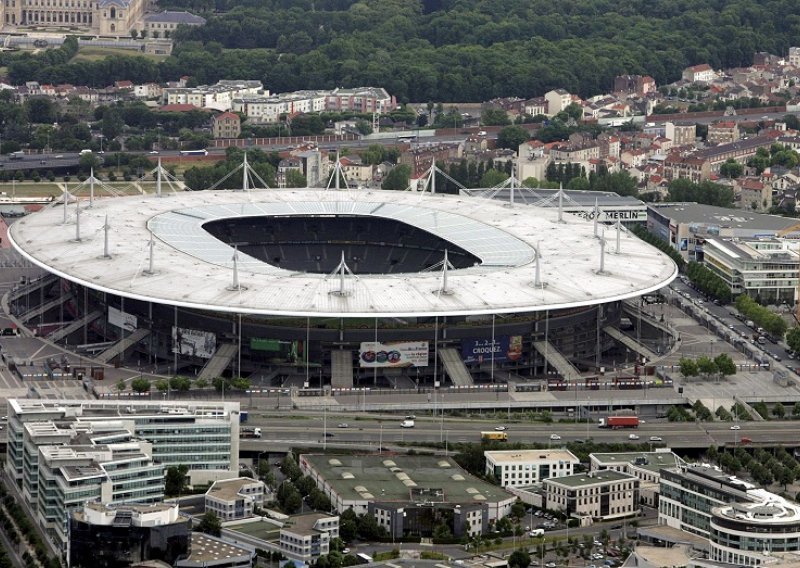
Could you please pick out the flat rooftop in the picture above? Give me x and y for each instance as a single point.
(403, 479)
(584, 479)
(528, 456)
(304, 523)
(204, 548)
(652, 461)
(721, 217)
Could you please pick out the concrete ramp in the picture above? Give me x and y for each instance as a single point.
(341, 369)
(455, 368)
(122, 345)
(65, 331)
(630, 343)
(35, 286)
(556, 360)
(219, 362)
(39, 310)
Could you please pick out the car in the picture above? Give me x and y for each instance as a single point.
(655, 438)
(58, 157)
(633, 436)
(501, 428)
(481, 133)
(345, 550)
(154, 151)
(328, 435)
(597, 543)
(736, 427)
(730, 326)
(592, 566)
(550, 565)
(555, 437)
(411, 417)
(343, 425)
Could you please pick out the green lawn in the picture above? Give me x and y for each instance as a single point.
(90, 53)
(262, 530)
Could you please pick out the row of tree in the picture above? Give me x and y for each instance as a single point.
(720, 366)
(708, 282)
(773, 323)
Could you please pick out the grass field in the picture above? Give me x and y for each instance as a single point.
(90, 53)
(262, 530)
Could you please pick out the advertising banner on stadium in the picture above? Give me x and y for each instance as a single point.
(121, 319)
(393, 354)
(193, 342)
(505, 348)
(279, 350)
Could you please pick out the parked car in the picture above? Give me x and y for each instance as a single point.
(736, 427)
(344, 425)
(555, 437)
(501, 428)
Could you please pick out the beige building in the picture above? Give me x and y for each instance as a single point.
(520, 468)
(236, 498)
(557, 100)
(644, 465)
(101, 17)
(723, 132)
(162, 24)
(600, 495)
(680, 134)
(226, 125)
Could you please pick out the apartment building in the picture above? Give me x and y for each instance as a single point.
(702, 73)
(680, 134)
(557, 100)
(521, 468)
(226, 125)
(233, 499)
(269, 109)
(219, 96)
(723, 132)
(361, 99)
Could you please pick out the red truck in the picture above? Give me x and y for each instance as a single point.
(619, 422)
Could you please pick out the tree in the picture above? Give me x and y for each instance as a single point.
(210, 524)
(778, 411)
(688, 367)
(121, 386)
(725, 365)
(176, 480)
(706, 366)
(512, 137)
(519, 559)
(731, 169)
(140, 385)
(518, 510)
(162, 385)
(398, 178)
(495, 117)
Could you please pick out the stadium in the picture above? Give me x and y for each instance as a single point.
(336, 288)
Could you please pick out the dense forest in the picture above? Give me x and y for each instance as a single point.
(455, 50)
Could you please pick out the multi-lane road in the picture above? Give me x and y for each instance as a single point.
(369, 432)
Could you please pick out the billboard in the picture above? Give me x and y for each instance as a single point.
(505, 348)
(193, 342)
(121, 319)
(279, 350)
(393, 354)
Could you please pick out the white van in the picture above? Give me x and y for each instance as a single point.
(536, 532)
(407, 424)
(84, 151)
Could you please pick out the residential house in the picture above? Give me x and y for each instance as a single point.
(284, 167)
(557, 100)
(753, 194)
(702, 73)
(355, 170)
(634, 84)
(226, 125)
(536, 106)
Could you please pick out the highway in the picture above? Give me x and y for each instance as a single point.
(368, 432)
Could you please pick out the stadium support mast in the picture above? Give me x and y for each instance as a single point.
(619, 232)
(77, 221)
(245, 178)
(91, 187)
(66, 199)
(150, 270)
(235, 285)
(105, 238)
(596, 215)
(342, 270)
(560, 202)
(602, 239)
(537, 280)
(158, 178)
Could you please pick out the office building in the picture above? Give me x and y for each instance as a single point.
(409, 495)
(100, 17)
(602, 495)
(103, 536)
(233, 499)
(646, 466)
(307, 537)
(206, 551)
(520, 468)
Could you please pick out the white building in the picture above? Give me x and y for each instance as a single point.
(307, 537)
(646, 466)
(219, 96)
(233, 499)
(521, 468)
(590, 496)
(702, 73)
(269, 108)
(557, 100)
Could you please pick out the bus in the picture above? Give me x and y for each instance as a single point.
(494, 436)
(194, 152)
(364, 558)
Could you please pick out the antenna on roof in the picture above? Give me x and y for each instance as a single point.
(342, 270)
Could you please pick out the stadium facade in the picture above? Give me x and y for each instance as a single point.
(340, 287)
